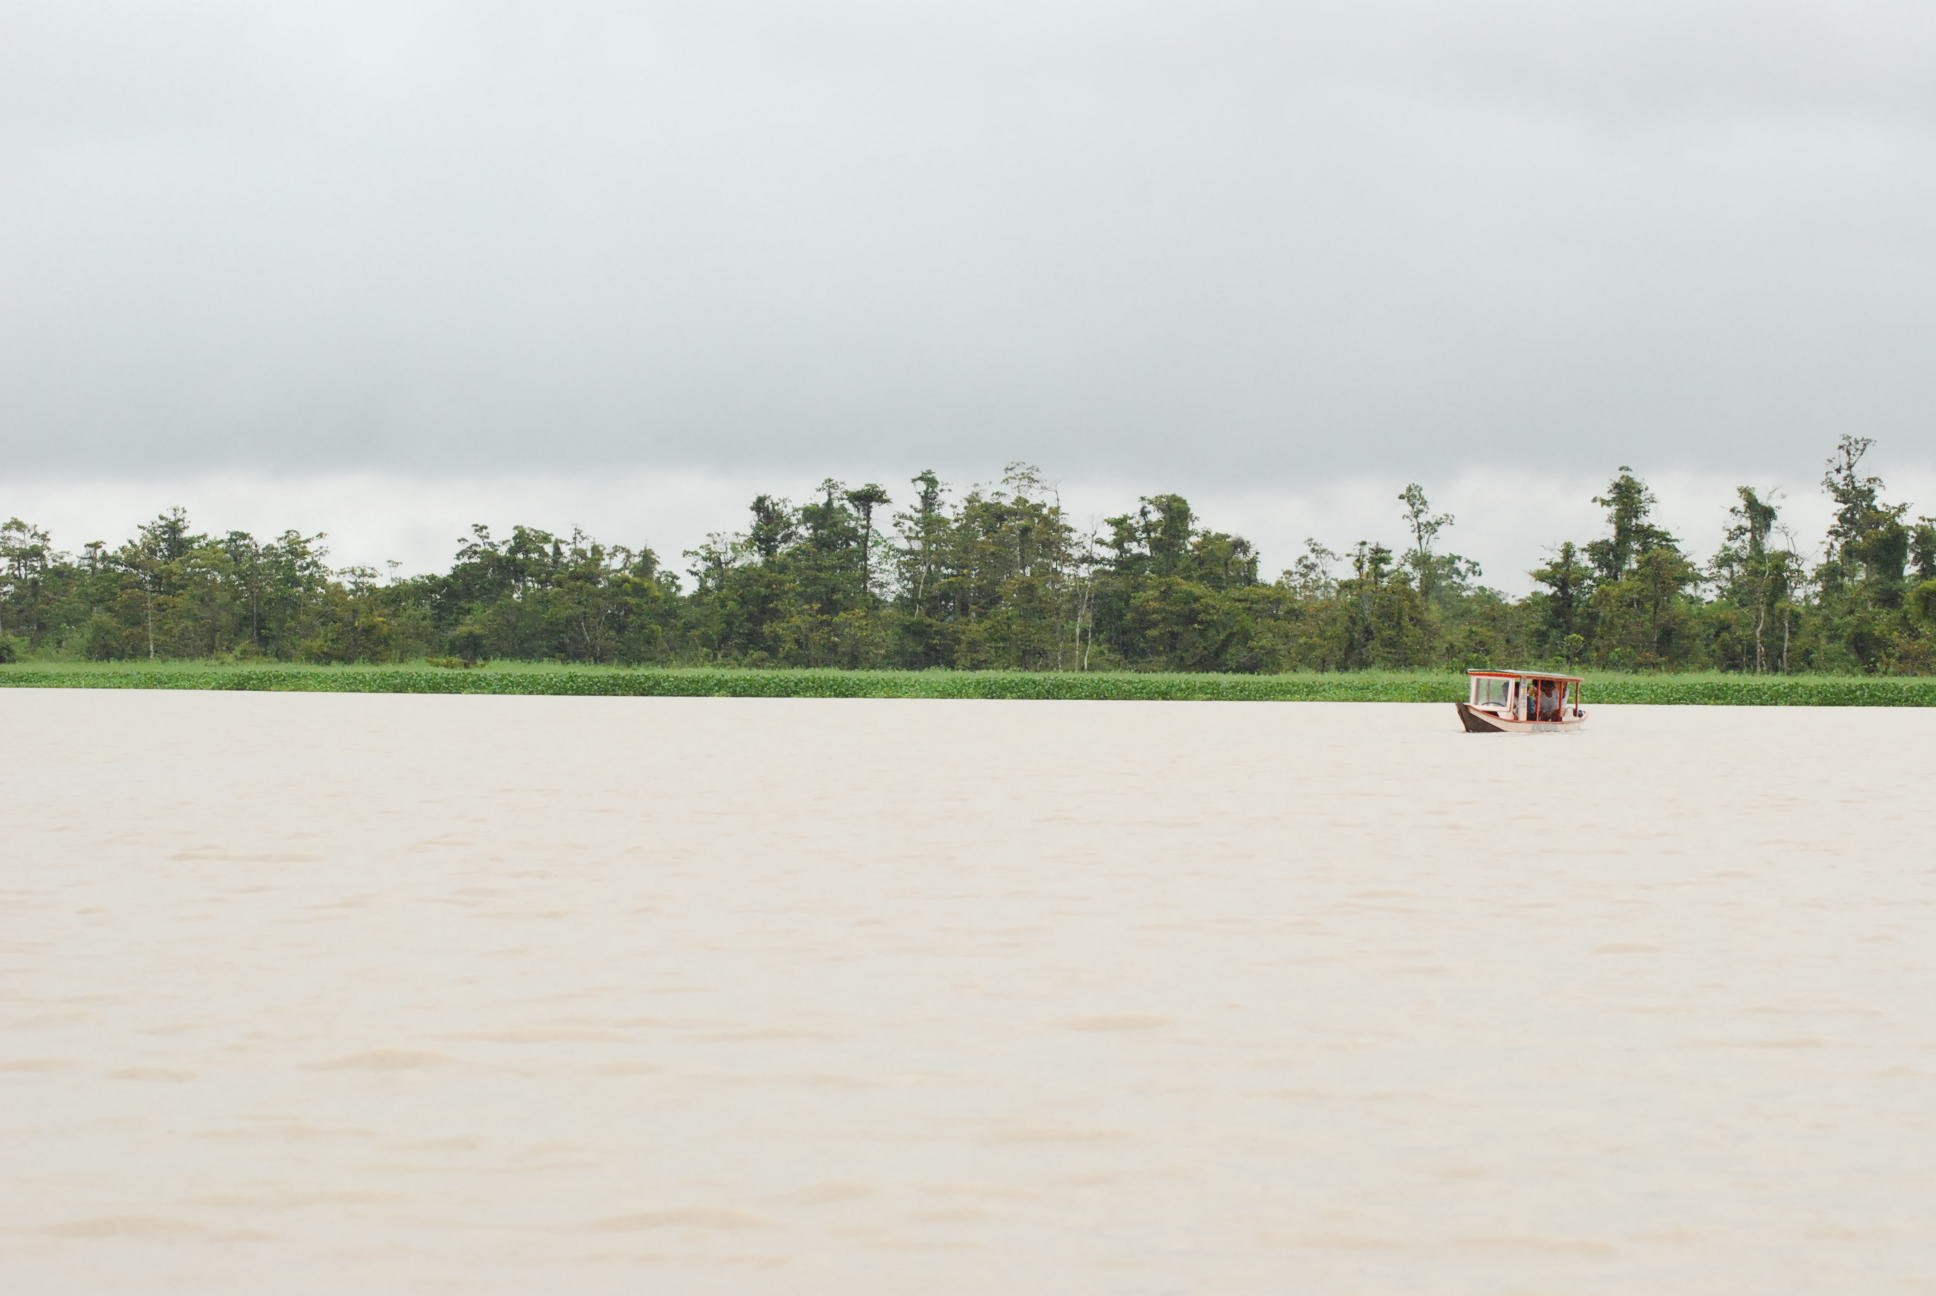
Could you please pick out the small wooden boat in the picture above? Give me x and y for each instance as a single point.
(1507, 701)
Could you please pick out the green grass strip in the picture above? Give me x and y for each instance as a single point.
(542, 678)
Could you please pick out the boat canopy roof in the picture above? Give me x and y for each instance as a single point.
(1519, 674)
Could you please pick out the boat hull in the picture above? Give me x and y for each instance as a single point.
(1478, 721)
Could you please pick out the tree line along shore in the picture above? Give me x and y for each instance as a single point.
(998, 579)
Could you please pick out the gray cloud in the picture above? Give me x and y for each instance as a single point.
(1233, 243)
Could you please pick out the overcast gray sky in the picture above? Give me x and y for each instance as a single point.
(390, 268)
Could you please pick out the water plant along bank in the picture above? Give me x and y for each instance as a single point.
(1704, 689)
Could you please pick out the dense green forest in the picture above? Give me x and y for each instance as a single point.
(999, 578)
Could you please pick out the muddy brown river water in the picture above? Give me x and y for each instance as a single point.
(412, 994)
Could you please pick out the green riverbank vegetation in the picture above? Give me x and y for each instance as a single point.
(549, 678)
(997, 579)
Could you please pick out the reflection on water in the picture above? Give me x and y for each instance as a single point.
(513, 994)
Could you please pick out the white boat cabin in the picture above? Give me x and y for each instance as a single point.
(1507, 701)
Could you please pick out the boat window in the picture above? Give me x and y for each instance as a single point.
(1490, 690)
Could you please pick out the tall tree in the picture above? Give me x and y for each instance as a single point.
(1863, 574)
(1756, 579)
(26, 554)
(1867, 542)
(864, 500)
(1630, 507)
(1425, 527)
(925, 638)
(1562, 604)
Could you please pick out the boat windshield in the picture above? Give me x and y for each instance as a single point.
(1491, 690)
